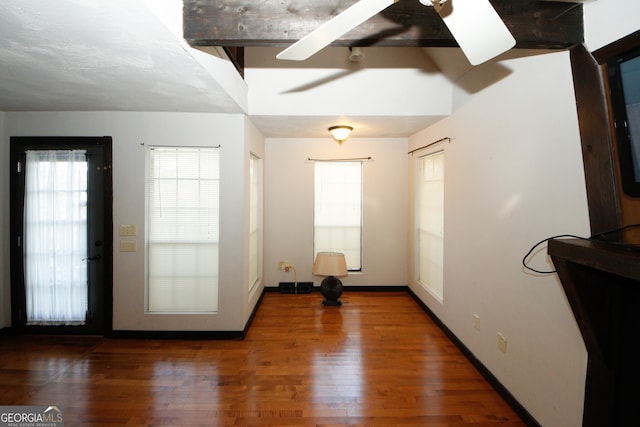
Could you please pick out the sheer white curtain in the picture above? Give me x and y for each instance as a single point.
(55, 236)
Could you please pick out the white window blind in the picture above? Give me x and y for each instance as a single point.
(183, 235)
(338, 210)
(255, 253)
(431, 223)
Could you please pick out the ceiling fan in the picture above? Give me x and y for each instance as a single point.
(474, 24)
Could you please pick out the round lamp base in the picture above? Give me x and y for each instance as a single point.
(331, 290)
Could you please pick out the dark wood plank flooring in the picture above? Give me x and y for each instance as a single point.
(378, 360)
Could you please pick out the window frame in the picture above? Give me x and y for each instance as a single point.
(182, 241)
(256, 188)
(360, 215)
(434, 289)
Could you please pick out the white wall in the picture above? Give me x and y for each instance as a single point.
(606, 21)
(514, 176)
(129, 131)
(5, 294)
(393, 82)
(289, 207)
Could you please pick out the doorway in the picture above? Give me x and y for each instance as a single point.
(61, 234)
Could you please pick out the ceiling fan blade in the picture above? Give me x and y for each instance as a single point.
(477, 28)
(333, 29)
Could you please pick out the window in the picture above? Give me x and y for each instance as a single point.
(338, 210)
(430, 222)
(255, 220)
(183, 212)
(55, 247)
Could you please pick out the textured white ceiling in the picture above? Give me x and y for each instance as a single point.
(78, 55)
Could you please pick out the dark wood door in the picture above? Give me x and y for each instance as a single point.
(38, 229)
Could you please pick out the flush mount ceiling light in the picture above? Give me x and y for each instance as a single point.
(340, 133)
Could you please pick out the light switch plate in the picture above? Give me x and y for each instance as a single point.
(128, 245)
(502, 343)
(128, 230)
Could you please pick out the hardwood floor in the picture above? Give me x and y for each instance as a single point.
(376, 361)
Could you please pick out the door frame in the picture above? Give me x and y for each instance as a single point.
(18, 145)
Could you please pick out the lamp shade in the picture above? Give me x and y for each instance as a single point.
(330, 264)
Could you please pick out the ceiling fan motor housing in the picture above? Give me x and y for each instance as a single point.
(430, 2)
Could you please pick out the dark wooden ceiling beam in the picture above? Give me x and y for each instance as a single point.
(533, 23)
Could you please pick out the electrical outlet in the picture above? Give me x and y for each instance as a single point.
(284, 265)
(476, 322)
(502, 343)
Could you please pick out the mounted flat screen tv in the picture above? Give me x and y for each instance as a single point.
(624, 84)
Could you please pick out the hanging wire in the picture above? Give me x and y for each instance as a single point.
(594, 238)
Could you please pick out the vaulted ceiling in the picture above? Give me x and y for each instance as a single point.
(240, 24)
(84, 55)
(244, 25)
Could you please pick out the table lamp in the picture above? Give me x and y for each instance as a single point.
(332, 265)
